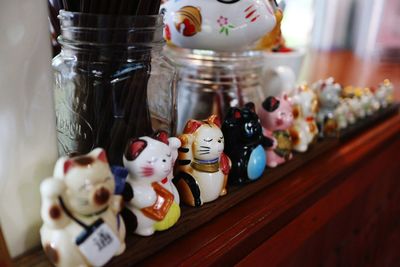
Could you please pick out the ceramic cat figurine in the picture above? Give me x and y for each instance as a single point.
(155, 199)
(384, 93)
(328, 93)
(81, 222)
(276, 118)
(305, 107)
(202, 168)
(344, 115)
(221, 25)
(244, 144)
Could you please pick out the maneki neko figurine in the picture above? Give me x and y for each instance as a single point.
(221, 25)
(305, 107)
(202, 168)
(244, 144)
(384, 93)
(155, 199)
(328, 93)
(344, 115)
(276, 118)
(81, 221)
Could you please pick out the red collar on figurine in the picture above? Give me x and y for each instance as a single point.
(164, 181)
(310, 119)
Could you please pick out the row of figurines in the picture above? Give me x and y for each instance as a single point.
(87, 207)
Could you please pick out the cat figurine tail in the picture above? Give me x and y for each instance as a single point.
(201, 172)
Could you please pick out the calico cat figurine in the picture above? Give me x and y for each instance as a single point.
(155, 199)
(201, 172)
(80, 212)
(244, 142)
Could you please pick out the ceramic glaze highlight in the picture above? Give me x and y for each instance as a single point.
(217, 24)
(202, 167)
(155, 200)
(79, 195)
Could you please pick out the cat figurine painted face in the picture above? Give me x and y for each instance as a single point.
(155, 200)
(202, 167)
(78, 200)
(244, 142)
(276, 118)
(220, 25)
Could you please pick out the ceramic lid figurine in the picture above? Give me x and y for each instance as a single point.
(305, 107)
(81, 221)
(244, 144)
(155, 200)
(276, 118)
(202, 168)
(221, 25)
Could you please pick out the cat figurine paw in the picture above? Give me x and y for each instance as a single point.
(81, 221)
(155, 199)
(202, 168)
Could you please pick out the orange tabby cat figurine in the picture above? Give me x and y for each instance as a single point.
(202, 168)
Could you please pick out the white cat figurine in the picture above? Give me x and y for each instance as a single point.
(155, 201)
(81, 222)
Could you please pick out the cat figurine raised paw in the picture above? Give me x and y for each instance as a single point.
(276, 118)
(155, 199)
(244, 144)
(202, 167)
(81, 221)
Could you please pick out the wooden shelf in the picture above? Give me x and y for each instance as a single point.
(141, 248)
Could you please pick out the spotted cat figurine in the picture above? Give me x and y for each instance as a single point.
(155, 200)
(81, 221)
(276, 118)
(244, 144)
(202, 168)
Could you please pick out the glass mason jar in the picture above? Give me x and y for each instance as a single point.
(111, 82)
(211, 82)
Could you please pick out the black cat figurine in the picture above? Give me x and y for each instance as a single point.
(244, 144)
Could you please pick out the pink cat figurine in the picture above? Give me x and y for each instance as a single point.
(276, 118)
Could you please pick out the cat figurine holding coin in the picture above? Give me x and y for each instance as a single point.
(202, 168)
(276, 118)
(81, 221)
(155, 199)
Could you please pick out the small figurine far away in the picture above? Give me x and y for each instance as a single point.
(244, 144)
(276, 118)
(81, 221)
(155, 199)
(202, 168)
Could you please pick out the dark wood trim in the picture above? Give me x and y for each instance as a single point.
(5, 259)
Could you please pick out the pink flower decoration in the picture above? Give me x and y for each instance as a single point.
(222, 21)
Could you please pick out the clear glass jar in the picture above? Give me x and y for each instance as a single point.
(112, 82)
(211, 82)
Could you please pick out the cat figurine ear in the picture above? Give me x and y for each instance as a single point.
(271, 104)
(134, 148)
(161, 136)
(192, 126)
(215, 119)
